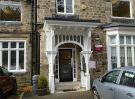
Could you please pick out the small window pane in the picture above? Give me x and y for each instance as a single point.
(128, 39)
(21, 44)
(13, 44)
(5, 59)
(128, 79)
(5, 45)
(121, 9)
(13, 60)
(21, 59)
(69, 6)
(113, 57)
(122, 56)
(69, 9)
(113, 39)
(60, 4)
(134, 39)
(60, 8)
(129, 56)
(121, 39)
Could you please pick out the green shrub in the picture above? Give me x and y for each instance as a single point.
(42, 82)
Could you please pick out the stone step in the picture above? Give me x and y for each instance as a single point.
(68, 86)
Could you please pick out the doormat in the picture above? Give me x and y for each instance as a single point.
(66, 90)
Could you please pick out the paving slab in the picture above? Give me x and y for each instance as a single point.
(62, 95)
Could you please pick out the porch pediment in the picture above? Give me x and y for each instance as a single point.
(71, 24)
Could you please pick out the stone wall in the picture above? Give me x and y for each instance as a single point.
(20, 31)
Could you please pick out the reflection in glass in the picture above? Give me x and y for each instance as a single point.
(21, 59)
(21, 44)
(5, 59)
(121, 9)
(10, 12)
(13, 60)
(113, 57)
(13, 44)
(5, 45)
(122, 56)
(129, 56)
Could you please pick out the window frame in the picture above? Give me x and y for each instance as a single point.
(118, 47)
(65, 13)
(17, 70)
(131, 11)
(12, 3)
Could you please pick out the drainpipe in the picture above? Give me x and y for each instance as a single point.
(35, 39)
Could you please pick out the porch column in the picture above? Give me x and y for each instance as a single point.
(50, 53)
(87, 55)
(51, 58)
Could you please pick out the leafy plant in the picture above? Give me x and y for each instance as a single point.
(42, 82)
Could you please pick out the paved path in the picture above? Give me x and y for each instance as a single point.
(67, 95)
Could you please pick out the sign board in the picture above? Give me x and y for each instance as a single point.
(92, 64)
(98, 48)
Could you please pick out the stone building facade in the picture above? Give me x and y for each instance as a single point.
(74, 34)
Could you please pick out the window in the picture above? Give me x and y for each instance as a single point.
(111, 77)
(122, 8)
(10, 10)
(128, 79)
(12, 55)
(122, 53)
(65, 6)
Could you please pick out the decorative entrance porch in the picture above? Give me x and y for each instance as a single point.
(64, 41)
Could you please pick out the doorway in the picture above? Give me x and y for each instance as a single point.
(65, 65)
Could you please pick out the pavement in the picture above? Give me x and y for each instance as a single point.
(62, 95)
(58, 95)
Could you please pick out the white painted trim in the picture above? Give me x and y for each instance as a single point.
(118, 50)
(54, 23)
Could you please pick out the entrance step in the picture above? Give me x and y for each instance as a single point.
(68, 86)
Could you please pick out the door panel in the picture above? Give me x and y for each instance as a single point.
(65, 56)
(124, 92)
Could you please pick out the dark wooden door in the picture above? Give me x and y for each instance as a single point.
(65, 73)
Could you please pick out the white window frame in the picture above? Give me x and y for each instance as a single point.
(17, 49)
(12, 3)
(118, 33)
(131, 11)
(65, 8)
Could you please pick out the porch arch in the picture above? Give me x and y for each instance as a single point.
(72, 42)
